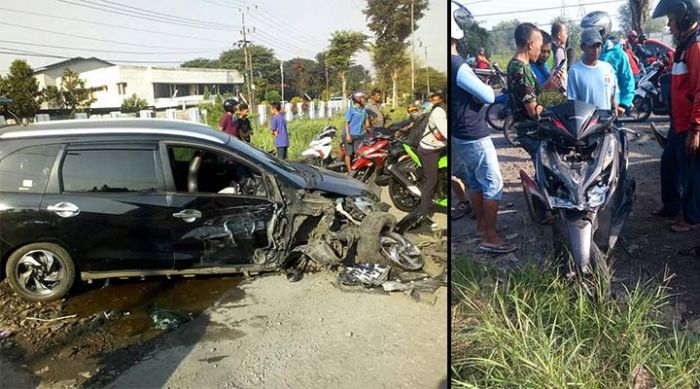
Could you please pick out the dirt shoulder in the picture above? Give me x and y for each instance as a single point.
(272, 333)
(647, 246)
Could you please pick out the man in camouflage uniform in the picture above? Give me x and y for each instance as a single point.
(523, 88)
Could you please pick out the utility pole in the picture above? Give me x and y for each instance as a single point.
(282, 83)
(248, 58)
(413, 77)
(427, 73)
(325, 62)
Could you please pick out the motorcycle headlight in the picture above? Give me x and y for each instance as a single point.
(609, 156)
(596, 195)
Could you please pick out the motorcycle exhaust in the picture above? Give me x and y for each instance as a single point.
(404, 180)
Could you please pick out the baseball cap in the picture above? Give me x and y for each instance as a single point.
(591, 36)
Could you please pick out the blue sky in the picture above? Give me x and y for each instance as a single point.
(292, 28)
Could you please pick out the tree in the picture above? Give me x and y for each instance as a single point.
(201, 63)
(634, 15)
(266, 68)
(21, 86)
(272, 96)
(74, 94)
(134, 104)
(391, 23)
(477, 37)
(344, 44)
(207, 95)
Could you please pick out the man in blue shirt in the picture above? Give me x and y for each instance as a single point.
(539, 67)
(591, 80)
(613, 54)
(356, 126)
(279, 130)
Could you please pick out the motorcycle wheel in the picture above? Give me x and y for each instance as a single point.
(496, 115)
(509, 132)
(642, 108)
(402, 198)
(363, 174)
(313, 161)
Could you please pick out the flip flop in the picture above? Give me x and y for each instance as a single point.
(503, 248)
(684, 227)
(662, 212)
(691, 252)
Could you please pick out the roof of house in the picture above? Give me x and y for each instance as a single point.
(66, 63)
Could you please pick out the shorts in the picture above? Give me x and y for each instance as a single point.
(351, 148)
(482, 171)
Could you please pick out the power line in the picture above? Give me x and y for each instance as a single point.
(548, 8)
(10, 51)
(88, 38)
(109, 25)
(118, 11)
(105, 51)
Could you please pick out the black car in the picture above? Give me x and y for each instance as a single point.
(134, 198)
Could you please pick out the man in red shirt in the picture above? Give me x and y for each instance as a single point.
(684, 142)
(228, 122)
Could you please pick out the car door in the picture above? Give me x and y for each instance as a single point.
(109, 206)
(218, 219)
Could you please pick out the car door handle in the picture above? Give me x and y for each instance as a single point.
(63, 209)
(188, 215)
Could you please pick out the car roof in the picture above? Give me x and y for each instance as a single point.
(91, 127)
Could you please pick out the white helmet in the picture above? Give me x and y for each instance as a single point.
(461, 20)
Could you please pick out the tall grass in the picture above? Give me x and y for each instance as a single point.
(300, 132)
(533, 329)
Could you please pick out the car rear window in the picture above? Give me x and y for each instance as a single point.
(27, 170)
(111, 171)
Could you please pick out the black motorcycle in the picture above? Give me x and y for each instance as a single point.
(581, 182)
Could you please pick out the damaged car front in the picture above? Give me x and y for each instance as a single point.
(332, 219)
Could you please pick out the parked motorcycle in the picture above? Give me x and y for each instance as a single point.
(581, 181)
(374, 150)
(497, 112)
(320, 153)
(648, 96)
(407, 180)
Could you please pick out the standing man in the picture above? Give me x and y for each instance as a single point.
(279, 131)
(523, 88)
(591, 80)
(244, 128)
(374, 110)
(356, 125)
(470, 136)
(680, 189)
(613, 54)
(228, 122)
(560, 39)
(539, 67)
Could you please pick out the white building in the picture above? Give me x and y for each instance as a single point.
(161, 87)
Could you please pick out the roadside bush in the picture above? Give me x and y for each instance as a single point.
(533, 329)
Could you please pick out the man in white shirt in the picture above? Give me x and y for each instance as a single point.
(591, 80)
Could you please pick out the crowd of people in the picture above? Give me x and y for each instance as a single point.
(605, 77)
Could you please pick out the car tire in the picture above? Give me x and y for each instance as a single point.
(51, 277)
(369, 248)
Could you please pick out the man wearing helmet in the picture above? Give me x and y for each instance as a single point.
(356, 125)
(228, 123)
(680, 162)
(641, 51)
(482, 62)
(613, 54)
(470, 137)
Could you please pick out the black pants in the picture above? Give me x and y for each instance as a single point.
(282, 152)
(430, 159)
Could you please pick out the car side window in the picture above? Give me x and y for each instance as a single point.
(198, 170)
(110, 171)
(27, 170)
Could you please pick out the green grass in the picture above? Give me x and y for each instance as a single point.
(532, 329)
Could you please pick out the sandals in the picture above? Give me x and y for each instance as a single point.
(663, 212)
(503, 248)
(684, 227)
(691, 252)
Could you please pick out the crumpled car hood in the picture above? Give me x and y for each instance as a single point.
(341, 184)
